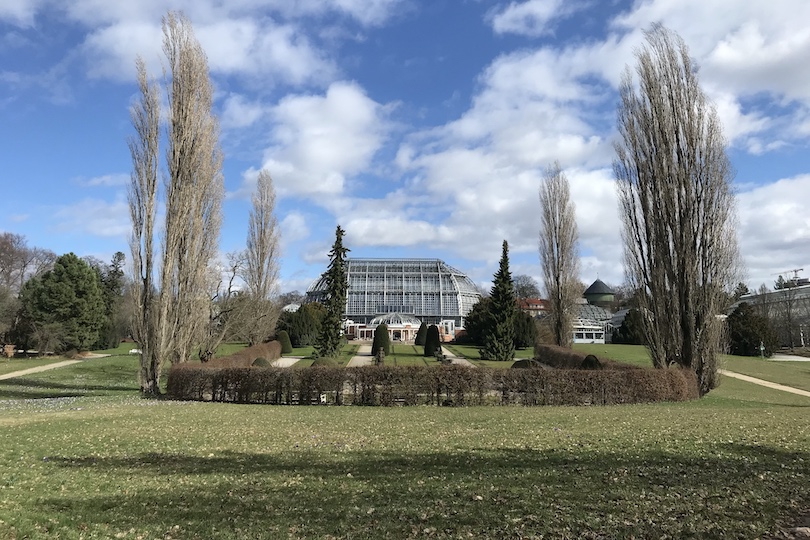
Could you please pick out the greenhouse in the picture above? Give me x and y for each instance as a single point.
(427, 289)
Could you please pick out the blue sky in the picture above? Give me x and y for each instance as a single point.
(423, 128)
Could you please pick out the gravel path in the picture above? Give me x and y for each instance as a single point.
(29, 371)
(456, 359)
(363, 357)
(762, 382)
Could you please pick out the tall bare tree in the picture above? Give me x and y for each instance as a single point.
(194, 190)
(673, 180)
(558, 253)
(143, 188)
(262, 260)
(172, 297)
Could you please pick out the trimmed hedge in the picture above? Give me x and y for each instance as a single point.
(270, 351)
(442, 385)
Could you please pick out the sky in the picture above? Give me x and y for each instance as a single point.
(422, 128)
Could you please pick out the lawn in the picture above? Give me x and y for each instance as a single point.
(102, 463)
(8, 365)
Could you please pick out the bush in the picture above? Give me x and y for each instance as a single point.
(631, 332)
(591, 362)
(433, 343)
(443, 385)
(747, 330)
(270, 351)
(284, 339)
(382, 341)
(420, 335)
(261, 362)
(527, 363)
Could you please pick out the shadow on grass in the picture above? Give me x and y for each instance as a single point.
(22, 388)
(734, 491)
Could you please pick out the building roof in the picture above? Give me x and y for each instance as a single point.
(594, 313)
(395, 319)
(598, 287)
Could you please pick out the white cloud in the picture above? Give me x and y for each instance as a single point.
(774, 228)
(20, 13)
(239, 112)
(532, 17)
(321, 140)
(107, 180)
(294, 228)
(94, 217)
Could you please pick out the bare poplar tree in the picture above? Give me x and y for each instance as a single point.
(171, 297)
(261, 259)
(194, 190)
(144, 147)
(674, 188)
(558, 253)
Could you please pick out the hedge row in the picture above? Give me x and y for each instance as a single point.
(445, 385)
(270, 351)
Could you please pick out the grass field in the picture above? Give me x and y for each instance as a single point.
(99, 462)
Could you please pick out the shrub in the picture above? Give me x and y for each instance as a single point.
(270, 351)
(526, 363)
(382, 341)
(747, 330)
(284, 339)
(420, 335)
(444, 385)
(433, 343)
(261, 362)
(591, 362)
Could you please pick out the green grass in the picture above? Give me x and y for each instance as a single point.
(102, 463)
(404, 354)
(471, 352)
(795, 374)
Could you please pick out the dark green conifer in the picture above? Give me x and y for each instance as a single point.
(329, 340)
(499, 341)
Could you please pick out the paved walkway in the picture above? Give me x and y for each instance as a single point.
(286, 361)
(362, 358)
(458, 360)
(778, 357)
(29, 371)
(762, 382)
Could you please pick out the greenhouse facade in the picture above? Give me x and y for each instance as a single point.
(428, 289)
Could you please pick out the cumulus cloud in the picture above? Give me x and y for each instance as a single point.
(20, 13)
(320, 140)
(774, 228)
(532, 17)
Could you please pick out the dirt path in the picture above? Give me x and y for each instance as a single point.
(29, 371)
(763, 382)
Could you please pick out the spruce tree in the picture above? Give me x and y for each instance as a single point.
(328, 343)
(499, 340)
(68, 297)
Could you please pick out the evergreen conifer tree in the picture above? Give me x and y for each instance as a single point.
(499, 341)
(381, 340)
(420, 335)
(328, 343)
(432, 341)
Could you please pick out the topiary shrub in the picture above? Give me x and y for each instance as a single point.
(261, 362)
(284, 339)
(591, 362)
(382, 341)
(433, 343)
(420, 335)
(324, 362)
(528, 363)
